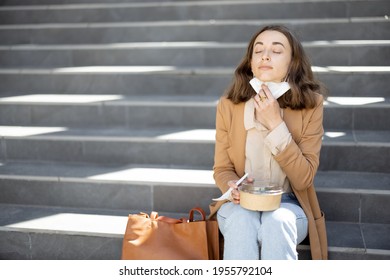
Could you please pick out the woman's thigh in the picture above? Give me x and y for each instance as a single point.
(233, 217)
(289, 214)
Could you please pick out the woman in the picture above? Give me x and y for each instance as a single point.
(274, 140)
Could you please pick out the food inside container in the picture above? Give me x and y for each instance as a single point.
(260, 196)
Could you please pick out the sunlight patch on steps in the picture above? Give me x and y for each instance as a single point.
(334, 134)
(350, 69)
(321, 43)
(75, 222)
(354, 101)
(60, 98)
(159, 175)
(23, 131)
(195, 134)
(114, 69)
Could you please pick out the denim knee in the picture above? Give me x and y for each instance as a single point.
(278, 222)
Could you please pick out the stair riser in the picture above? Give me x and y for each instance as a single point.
(181, 83)
(19, 245)
(191, 117)
(67, 2)
(367, 158)
(338, 205)
(103, 195)
(359, 118)
(184, 57)
(109, 152)
(108, 196)
(355, 207)
(109, 116)
(363, 158)
(181, 32)
(198, 12)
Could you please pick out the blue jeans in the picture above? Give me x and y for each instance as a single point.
(276, 232)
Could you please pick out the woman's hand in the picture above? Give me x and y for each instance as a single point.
(235, 194)
(267, 110)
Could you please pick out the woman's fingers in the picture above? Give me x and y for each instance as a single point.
(235, 196)
(266, 93)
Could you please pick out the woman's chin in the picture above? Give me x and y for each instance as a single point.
(267, 78)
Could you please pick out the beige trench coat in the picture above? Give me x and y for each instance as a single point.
(299, 160)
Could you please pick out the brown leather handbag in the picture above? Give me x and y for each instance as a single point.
(162, 238)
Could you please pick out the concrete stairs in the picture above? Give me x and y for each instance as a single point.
(109, 109)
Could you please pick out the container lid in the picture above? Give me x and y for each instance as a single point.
(260, 188)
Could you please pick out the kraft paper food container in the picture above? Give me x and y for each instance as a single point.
(260, 196)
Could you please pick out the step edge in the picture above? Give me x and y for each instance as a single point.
(177, 23)
(185, 45)
(361, 190)
(144, 139)
(175, 70)
(117, 5)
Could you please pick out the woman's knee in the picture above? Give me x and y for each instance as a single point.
(233, 217)
(278, 216)
(279, 221)
(285, 220)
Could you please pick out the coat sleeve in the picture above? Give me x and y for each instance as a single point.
(224, 169)
(300, 160)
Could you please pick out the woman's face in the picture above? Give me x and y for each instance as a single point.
(271, 56)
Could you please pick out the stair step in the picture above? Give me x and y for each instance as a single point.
(188, 10)
(354, 196)
(165, 134)
(109, 111)
(115, 134)
(344, 196)
(103, 3)
(79, 234)
(361, 28)
(192, 54)
(138, 81)
(62, 111)
(148, 187)
(344, 150)
(243, 10)
(341, 149)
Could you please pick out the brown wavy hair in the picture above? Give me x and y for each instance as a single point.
(299, 75)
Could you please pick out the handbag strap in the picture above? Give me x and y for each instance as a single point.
(200, 211)
(154, 216)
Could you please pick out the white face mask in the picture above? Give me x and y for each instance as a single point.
(277, 89)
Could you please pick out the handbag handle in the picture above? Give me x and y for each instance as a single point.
(154, 216)
(199, 210)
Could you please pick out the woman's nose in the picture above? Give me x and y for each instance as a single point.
(265, 57)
